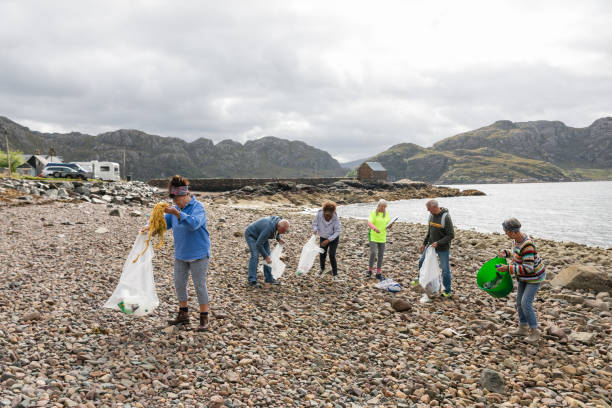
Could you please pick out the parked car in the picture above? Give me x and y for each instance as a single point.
(63, 171)
(73, 165)
(62, 164)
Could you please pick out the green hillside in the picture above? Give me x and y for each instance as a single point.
(507, 152)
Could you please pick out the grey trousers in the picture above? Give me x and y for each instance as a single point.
(381, 252)
(198, 269)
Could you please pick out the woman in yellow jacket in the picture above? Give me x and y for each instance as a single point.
(378, 224)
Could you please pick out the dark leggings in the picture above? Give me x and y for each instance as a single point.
(331, 248)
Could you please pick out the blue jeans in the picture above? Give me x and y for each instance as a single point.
(254, 261)
(524, 303)
(444, 258)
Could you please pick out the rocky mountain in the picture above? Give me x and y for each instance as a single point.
(507, 152)
(149, 156)
(553, 142)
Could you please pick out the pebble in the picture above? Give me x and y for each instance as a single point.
(493, 381)
(307, 342)
(401, 305)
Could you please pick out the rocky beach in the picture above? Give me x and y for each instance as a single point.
(309, 342)
(347, 191)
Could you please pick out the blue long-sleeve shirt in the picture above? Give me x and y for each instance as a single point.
(327, 229)
(262, 230)
(191, 238)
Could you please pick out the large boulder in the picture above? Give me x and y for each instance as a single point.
(578, 276)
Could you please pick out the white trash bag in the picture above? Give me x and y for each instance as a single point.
(135, 294)
(278, 266)
(389, 285)
(430, 274)
(308, 255)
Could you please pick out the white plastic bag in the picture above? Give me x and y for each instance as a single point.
(308, 255)
(135, 293)
(388, 285)
(430, 274)
(278, 266)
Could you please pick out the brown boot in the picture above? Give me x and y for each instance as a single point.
(534, 336)
(522, 331)
(182, 318)
(203, 322)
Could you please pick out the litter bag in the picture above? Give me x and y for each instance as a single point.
(308, 255)
(135, 294)
(388, 284)
(278, 266)
(430, 274)
(496, 284)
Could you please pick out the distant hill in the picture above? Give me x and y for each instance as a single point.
(149, 156)
(506, 152)
(554, 142)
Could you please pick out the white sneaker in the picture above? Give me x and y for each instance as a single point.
(425, 298)
(336, 278)
(322, 272)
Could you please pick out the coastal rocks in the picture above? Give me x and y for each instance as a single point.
(31, 317)
(125, 193)
(578, 276)
(471, 192)
(308, 342)
(346, 191)
(558, 332)
(216, 401)
(597, 304)
(492, 381)
(583, 337)
(401, 305)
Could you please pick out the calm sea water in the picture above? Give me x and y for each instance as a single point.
(579, 212)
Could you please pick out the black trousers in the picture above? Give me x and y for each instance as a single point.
(331, 250)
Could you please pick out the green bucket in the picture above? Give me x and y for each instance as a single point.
(496, 284)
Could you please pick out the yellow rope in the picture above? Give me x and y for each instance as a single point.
(157, 226)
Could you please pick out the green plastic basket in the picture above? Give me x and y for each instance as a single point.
(496, 284)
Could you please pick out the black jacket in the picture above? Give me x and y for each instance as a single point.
(440, 230)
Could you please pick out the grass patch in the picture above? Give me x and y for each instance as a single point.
(594, 174)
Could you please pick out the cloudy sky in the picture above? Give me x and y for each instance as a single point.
(351, 77)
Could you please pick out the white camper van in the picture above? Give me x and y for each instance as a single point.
(102, 170)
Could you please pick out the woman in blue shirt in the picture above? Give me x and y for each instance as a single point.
(187, 219)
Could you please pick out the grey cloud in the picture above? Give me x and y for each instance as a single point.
(237, 71)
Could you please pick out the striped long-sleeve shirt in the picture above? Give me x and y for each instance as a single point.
(526, 263)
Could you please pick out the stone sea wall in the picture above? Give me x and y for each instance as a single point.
(230, 184)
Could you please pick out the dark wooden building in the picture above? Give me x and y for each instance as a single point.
(371, 171)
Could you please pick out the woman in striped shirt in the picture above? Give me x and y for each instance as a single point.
(530, 271)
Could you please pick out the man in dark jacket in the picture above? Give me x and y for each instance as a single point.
(440, 233)
(257, 235)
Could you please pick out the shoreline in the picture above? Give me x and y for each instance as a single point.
(478, 239)
(310, 210)
(266, 345)
(474, 230)
(342, 192)
(307, 202)
(520, 182)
